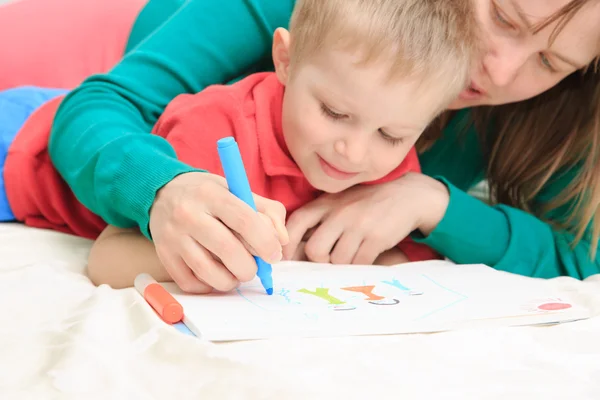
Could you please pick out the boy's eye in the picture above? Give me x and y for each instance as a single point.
(330, 113)
(390, 139)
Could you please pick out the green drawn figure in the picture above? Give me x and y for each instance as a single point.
(334, 303)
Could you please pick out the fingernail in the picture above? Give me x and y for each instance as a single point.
(276, 257)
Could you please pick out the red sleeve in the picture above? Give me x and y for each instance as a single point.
(193, 124)
(417, 251)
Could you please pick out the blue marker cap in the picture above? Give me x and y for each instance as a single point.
(237, 180)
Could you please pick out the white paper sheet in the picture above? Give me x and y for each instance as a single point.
(318, 300)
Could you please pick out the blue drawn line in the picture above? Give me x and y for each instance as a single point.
(422, 317)
(455, 302)
(285, 294)
(444, 287)
(248, 300)
(396, 283)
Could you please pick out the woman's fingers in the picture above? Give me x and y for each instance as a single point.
(267, 220)
(181, 274)
(207, 268)
(214, 236)
(276, 213)
(241, 218)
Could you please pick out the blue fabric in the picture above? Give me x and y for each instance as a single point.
(16, 105)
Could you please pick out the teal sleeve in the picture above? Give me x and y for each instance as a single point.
(154, 14)
(100, 141)
(508, 239)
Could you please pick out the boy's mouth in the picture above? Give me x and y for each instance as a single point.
(334, 172)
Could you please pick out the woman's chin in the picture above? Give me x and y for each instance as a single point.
(459, 104)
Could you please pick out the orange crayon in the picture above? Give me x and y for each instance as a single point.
(159, 299)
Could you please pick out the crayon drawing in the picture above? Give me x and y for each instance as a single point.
(359, 296)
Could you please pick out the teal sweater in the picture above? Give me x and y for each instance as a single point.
(101, 144)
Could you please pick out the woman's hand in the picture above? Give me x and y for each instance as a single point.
(204, 235)
(357, 225)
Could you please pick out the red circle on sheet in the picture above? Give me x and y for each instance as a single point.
(554, 306)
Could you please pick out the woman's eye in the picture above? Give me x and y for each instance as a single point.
(546, 62)
(501, 18)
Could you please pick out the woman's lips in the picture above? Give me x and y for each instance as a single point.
(473, 92)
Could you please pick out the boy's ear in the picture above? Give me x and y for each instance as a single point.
(281, 54)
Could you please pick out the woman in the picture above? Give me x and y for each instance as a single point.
(535, 141)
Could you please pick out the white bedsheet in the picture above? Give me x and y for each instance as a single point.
(63, 338)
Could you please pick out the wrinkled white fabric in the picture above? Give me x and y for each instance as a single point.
(63, 338)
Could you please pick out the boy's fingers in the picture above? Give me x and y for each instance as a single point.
(300, 223)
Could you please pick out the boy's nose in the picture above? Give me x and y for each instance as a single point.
(353, 148)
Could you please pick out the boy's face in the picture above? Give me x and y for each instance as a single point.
(346, 124)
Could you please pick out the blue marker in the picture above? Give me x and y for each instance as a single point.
(237, 180)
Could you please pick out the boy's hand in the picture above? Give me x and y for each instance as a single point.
(299, 254)
(203, 233)
(392, 256)
(357, 225)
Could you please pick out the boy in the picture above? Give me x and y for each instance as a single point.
(355, 84)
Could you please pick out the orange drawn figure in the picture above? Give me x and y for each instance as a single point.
(372, 298)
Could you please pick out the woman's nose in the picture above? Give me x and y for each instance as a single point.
(503, 61)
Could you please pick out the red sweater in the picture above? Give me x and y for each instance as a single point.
(249, 110)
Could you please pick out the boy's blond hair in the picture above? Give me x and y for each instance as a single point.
(433, 40)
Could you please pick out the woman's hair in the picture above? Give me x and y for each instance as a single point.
(528, 145)
(432, 40)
